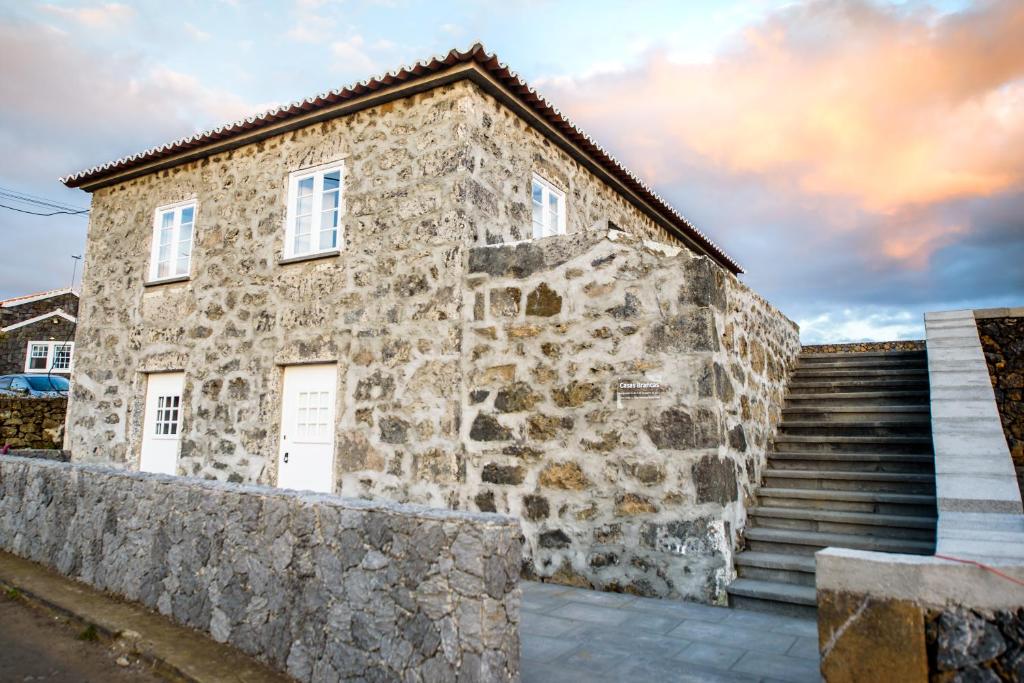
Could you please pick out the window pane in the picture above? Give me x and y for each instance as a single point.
(187, 213)
(62, 357)
(163, 269)
(330, 201)
(185, 233)
(38, 358)
(166, 220)
(304, 206)
(302, 244)
(553, 214)
(303, 225)
(306, 186)
(328, 239)
(332, 181)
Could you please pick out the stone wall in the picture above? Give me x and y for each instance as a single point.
(640, 495)
(32, 422)
(321, 587)
(860, 347)
(975, 645)
(1002, 339)
(14, 343)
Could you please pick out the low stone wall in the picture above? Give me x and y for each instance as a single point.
(321, 587)
(32, 422)
(861, 347)
(975, 645)
(1002, 339)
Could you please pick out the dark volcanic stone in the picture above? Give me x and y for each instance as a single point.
(556, 538)
(543, 301)
(693, 331)
(502, 474)
(516, 398)
(704, 284)
(628, 309)
(738, 438)
(487, 428)
(715, 479)
(485, 501)
(671, 429)
(519, 260)
(536, 508)
(393, 430)
(964, 639)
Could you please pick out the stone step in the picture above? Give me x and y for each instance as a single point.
(804, 542)
(772, 596)
(861, 355)
(915, 397)
(839, 522)
(909, 426)
(864, 363)
(850, 481)
(921, 505)
(844, 386)
(780, 567)
(796, 443)
(824, 411)
(853, 462)
(858, 373)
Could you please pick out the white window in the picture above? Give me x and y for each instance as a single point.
(168, 410)
(172, 241)
(42, 356)
(548, 208)
(314, 210)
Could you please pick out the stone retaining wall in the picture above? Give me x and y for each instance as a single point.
(644, 495)
(321, 587)
(1002, 340)
(32, 422)
(861, 347)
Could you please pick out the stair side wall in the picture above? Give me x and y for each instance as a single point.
(643, 495)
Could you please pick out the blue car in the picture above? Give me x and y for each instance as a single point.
(34, 385)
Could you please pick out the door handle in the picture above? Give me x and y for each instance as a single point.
(286, 457)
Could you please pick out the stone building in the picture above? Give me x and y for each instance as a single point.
(37, 332)
(431, 287)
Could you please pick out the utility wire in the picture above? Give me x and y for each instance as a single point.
(50, 207)
(52, 213)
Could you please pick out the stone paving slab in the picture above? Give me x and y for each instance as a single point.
(572, 634)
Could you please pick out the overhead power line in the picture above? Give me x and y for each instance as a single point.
(49, 207)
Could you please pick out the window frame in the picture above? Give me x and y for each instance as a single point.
(548, 188)
(51, 354)
(291, 210)
(154, 250)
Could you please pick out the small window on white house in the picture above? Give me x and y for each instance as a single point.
(548, 208)
(44, 356)
(314, 211)
(172, 241)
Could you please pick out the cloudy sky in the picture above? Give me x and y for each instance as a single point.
(861, 159)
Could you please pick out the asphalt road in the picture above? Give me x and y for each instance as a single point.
(37, 647)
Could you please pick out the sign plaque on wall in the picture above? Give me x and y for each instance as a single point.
(636, 390)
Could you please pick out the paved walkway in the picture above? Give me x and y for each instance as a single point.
(571, 634)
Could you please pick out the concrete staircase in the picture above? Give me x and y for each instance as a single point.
(852, 467)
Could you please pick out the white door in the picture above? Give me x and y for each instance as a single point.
(161, 435)
(306, 459)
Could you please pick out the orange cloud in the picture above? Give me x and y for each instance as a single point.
(887, 107)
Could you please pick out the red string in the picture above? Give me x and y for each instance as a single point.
(982, 566)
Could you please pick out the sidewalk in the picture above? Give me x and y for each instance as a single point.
(174, 651)
(571, 634)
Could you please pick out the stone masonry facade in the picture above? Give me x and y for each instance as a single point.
(32, 422)
(322, 588)
(475, 371)
(14, 343)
